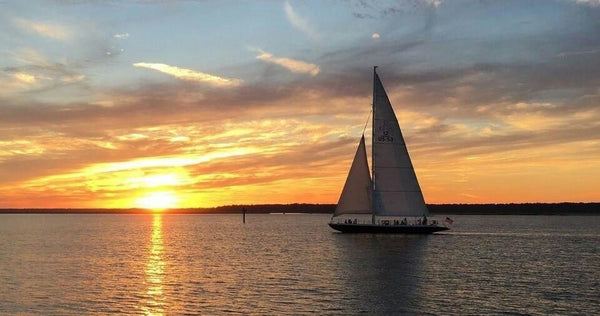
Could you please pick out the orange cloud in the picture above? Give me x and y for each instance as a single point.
(235, 147)
(292, 65)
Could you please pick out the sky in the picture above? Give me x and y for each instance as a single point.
(205, 103)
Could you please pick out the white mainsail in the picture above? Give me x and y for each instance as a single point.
(356, 195)
(396, 191)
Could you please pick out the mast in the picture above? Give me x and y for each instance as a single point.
(373, 150)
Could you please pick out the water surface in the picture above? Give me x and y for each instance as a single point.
(295, 264)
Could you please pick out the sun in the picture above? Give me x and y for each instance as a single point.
(157, 200)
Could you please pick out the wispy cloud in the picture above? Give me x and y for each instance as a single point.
(191, 75)
(44, 29)
(293, 65)
(299, 22)
(18, 82)
(434, 3)
(583, 52)
(72, 78)
(29, 56)
(34, 75)
(588, 2)
(121, 35)
(24, 77)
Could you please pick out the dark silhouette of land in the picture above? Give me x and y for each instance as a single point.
(566, 208)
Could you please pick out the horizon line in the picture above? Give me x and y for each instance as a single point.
(269, 204)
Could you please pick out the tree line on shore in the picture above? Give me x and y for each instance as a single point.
(566, 208)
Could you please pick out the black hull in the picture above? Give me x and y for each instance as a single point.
(387, 229)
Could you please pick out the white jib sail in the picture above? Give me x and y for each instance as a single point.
(356, 195)
(396, 191)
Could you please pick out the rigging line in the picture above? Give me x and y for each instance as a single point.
(367, 122)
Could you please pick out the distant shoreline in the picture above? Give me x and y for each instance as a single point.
(566, 208)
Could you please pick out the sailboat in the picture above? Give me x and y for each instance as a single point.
(391, 201)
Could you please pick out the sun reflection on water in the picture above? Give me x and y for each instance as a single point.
(155, 301)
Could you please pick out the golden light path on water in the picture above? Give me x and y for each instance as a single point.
(155, 267)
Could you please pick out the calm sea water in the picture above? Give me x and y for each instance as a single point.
(295, 264)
